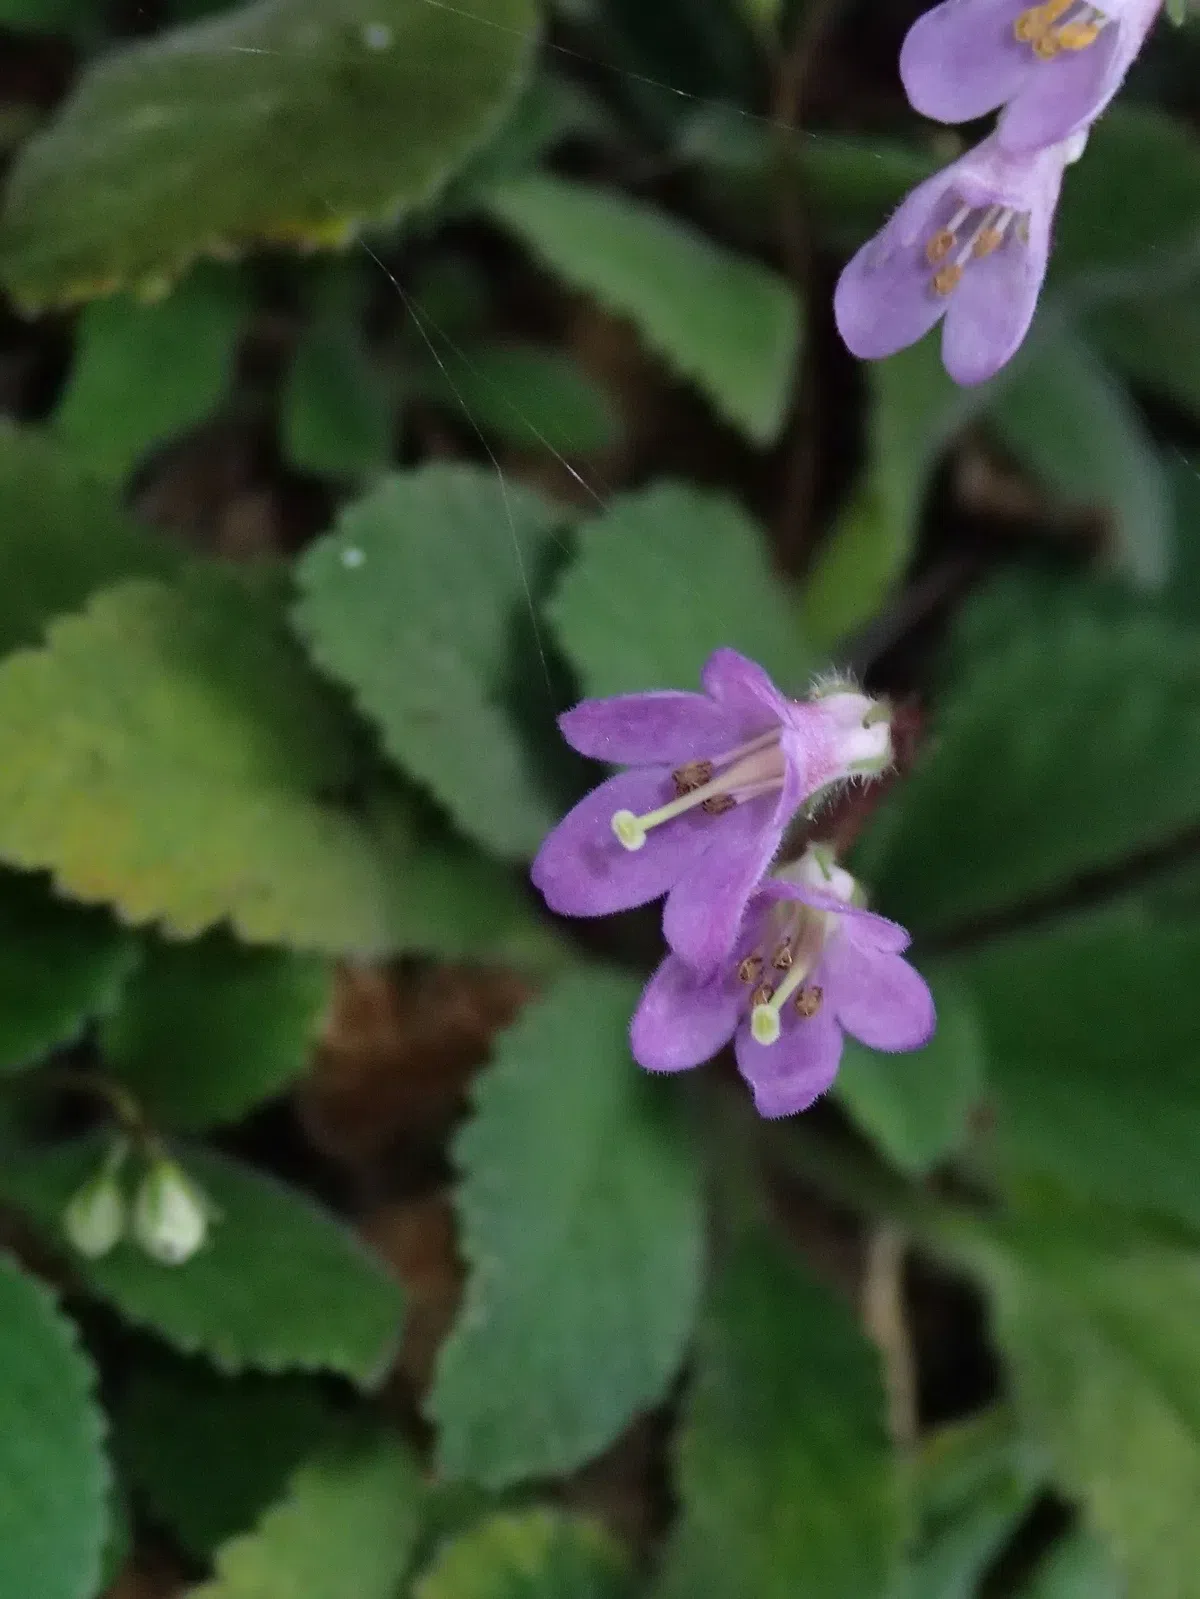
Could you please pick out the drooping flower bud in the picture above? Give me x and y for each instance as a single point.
(94, 1220)
(170, 1214)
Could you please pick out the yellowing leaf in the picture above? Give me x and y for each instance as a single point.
(288, 120)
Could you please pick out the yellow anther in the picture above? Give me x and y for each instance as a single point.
(808, 1001)
(989, 239)
(939, 246)
(1047, 47)
(1029, 26)
(948, 279)
(1078, 35)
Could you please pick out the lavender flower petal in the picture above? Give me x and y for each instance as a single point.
(705, 907)
(1061, 96)
(877, 996)
(582, 870)
(742, 686)
(788, 1076)
(657, 729)
(683, 1019)
(962, 59)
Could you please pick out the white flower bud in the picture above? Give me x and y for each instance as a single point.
(170, 1214)
(94, 1220)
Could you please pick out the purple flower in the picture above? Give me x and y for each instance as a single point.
(1053, 66)
(808, 966)
(970, 244)
(714, 780)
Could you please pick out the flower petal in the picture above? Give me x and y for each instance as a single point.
(704, 911)
(1070, 92)
(790, 1074)
(990, 311)
(582, 870)
(862, 926)
(962, 59)
(659, 729)
(877, 996)
(741, 686)
(682, 1019)
(884, 299)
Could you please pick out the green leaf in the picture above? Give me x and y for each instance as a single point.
(1066, 1013)
(208, 1454)
(661, 579)
(1154, 342)
(345, 112)
(720, 319)
(169, 752)
(280, 1285)
(526, 395)
(976, 1482)
(917, 1107)
(582, 1224)
(54, 1479)
(528, 1554)
(205, 1031)
(1064, 417)
(786, 1477)
(60, 966)
(1060, 712)
(145, 372)
(1101, 1329)
(417, 602)
(62, 536)
(346, 1528)
(338, 414)
(915, 410)
(1078, 1568)
(1151, 160)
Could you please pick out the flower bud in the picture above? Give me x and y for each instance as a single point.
(94, 1220)
(170, 1214)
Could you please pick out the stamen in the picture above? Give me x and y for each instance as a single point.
(692, 775)
(939, 246)
(1031, 25)
(783, 957)
(749, 968)
(948, 279)
(759, 770)
(765, 1024)
(1080, 26)
(761, 997)
(991, 235)
(808, 1001)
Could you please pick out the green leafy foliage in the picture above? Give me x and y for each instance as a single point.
(1071, 1104)
(419, 603)
(1108, 460)
(915, 409)
(145, 372)
(975, 1483)
(721, 320)
(786, 1478)
(521, 394)
(208, 1454)
(1100, 1328)
(62, 536)
(1151, 159)
(147, 167)
(661, 579)
(917, 1107)
(1079, 1568)
(1061, 710)
(60, 966)
(181, 725)
(527, 1554)
(279, 1286)
(53, 1475)
(346, 1528)
(581, 1224)
(205, 1031)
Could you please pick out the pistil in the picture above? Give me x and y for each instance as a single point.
(757, 768)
